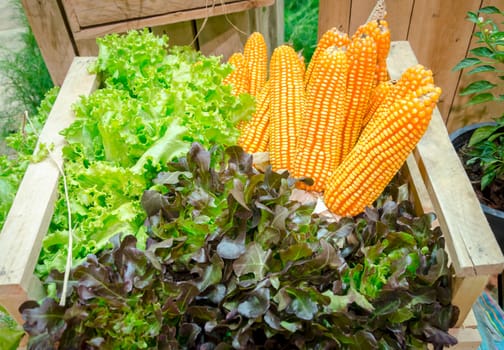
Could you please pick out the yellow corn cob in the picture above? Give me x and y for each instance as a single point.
(332, 37)
(412, 78)
(287, 104)
(239, 77)
(379, 31)
(361, 55)
(256, 55)
(378, 95)
(380, 152)
(254, 136)
(324, 112)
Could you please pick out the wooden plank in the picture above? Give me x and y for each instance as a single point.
(419, 193)
(360, 12)
(334, 13)
(87, 47)
(28, 221)
(455, 203)
(461, 115)
(55, 42)
(13, 296)
(348, 15)
(223, 35)
(70, 14)
(182, 33)
(439, 36)
(92, 13)
(399, 17)
(153, 21)
(270, 22)
(465, 292)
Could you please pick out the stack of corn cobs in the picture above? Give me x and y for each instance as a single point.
(339, 121)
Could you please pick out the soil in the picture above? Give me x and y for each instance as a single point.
(493, 195)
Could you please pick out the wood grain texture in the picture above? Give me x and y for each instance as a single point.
(466, 291)
(334, 13)
(360, 11)
(223, 35)
(459, 212)
(269, 21)
(439, 36)
(87, 47)
(399, 18)
(168, 18)
(55, 42)
(181, 34)
(92, 13)
(32, 208)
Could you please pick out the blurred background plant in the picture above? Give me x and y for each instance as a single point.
(25, 77)
(301, 25)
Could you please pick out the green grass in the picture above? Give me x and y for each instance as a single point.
(301, 25)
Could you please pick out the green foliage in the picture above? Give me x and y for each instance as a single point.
(10, 332)
(232, 263)
(486, 146)
(155, 101)
(487, 57)
(301, 25)
(22, 144)
(27, 79)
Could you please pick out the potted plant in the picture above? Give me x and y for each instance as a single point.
(481, 146)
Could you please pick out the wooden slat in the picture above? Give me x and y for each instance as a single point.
(32, 209)
(470, 241)
(334, 13)
(178, 33)
(360, 12)
(87, 47)
(124, 26)
(11, 297)
(399, 17)
(419, 193)
(270, 22)
(439, 36)
(465, 292)
(92, 13)
(48, 26)
(223, 35)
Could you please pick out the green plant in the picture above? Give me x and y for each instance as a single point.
(232, 262)
(26, 76)
(486, 146)
(301, 25)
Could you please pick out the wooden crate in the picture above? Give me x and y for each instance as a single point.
(217, 26)
(437, 178)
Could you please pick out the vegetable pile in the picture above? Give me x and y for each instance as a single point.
(233, 262)
(151, 106)
(340, 122)
(182, 242)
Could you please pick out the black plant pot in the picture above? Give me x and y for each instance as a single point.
(495, 217)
